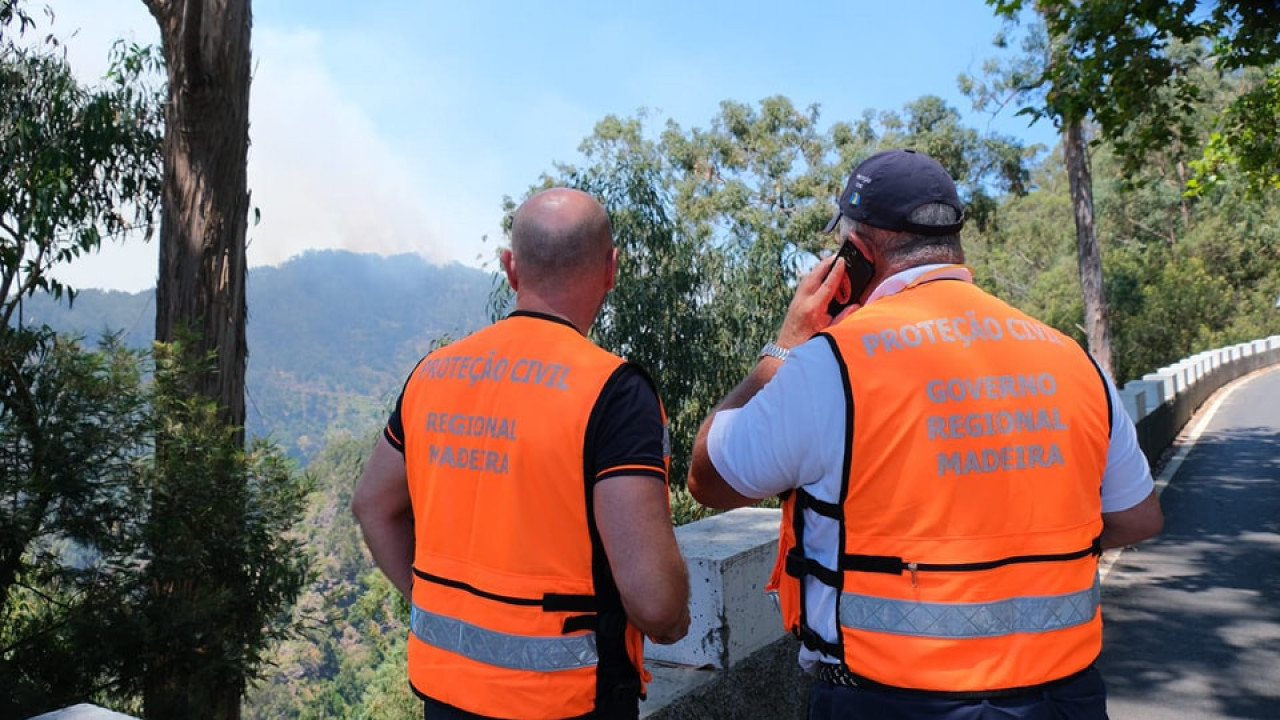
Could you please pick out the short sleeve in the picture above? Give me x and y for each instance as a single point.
(1127, 479)
(393, 431)
(790, 434)
(628, 433)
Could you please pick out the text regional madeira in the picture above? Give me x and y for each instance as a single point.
(465, 457)
(1003, 422)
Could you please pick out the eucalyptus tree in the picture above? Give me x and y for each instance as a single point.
(78, 167)
(219, 595)
(1117, 65)
(200, 289)
(81, 166)
(714, 226)
(1040, 81)
(1118, 54)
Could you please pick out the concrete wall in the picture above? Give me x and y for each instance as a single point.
(738, 664)
(1162, 402)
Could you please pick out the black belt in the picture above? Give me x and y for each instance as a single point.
(840, 675)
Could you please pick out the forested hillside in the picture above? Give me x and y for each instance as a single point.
(348, 658)
(332, 335)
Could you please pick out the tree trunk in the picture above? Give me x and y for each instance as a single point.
(200, 302)
(205, 209)
(1096, 321)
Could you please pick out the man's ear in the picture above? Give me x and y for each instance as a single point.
(860, 241)
(612, 278)
(508, 261)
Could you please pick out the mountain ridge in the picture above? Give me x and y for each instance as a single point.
(332, 334)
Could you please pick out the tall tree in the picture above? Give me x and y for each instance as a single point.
(1117, 55)
(1118, 65)
(1097, 320)
(1042, 81)
(205, 203)
(200, 307)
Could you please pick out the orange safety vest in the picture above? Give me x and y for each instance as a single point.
(971, 507)
(514, 610)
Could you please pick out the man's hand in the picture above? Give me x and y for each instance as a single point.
(807, 313)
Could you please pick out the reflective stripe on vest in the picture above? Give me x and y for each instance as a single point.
(970, 620)
(515, 652)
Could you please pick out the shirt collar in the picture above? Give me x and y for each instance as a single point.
(541, 316)
(918, 275)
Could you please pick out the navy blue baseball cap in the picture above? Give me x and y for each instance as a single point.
(887, 187)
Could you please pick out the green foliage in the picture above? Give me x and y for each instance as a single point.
(120, 578)
(1247, 139)
(350, 660)
(1131, 68)
(73, 427)
(1178, 309)
(713, 227)
(79, 164)
(225, 561)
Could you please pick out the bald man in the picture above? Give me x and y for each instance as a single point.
(518, 496)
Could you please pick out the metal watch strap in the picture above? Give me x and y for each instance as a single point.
(774, 350)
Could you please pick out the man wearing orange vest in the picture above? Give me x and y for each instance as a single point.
(951, 469)
(518, 496)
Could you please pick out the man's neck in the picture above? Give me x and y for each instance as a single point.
(535, 304)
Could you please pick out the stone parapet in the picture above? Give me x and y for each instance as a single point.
(729, 556)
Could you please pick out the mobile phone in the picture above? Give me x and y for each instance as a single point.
(858, 272)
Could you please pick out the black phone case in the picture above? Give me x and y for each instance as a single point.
(857, 269)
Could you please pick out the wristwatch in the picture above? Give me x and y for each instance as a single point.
(774, 350)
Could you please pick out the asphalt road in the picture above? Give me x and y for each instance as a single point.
(1192, 617)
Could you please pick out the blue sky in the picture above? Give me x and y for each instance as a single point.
(396, 126)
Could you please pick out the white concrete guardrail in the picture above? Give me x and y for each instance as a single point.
(737, 663)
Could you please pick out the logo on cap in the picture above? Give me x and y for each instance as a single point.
(854, 198)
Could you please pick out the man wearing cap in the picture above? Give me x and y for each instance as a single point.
(950, 467)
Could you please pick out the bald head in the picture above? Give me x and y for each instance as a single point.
(557, 235)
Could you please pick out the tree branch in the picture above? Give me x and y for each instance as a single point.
(27, 284)
(1145, 228)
